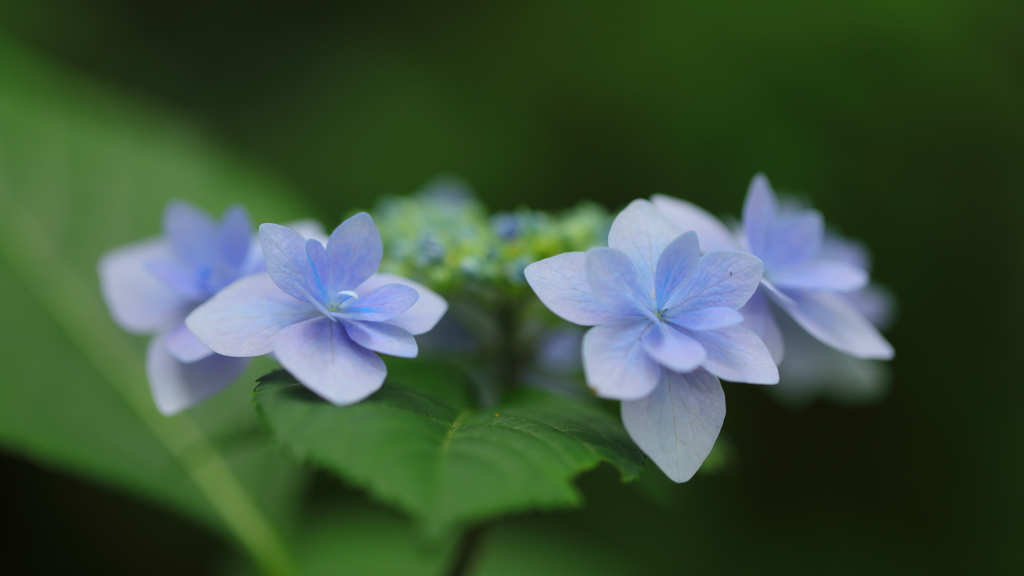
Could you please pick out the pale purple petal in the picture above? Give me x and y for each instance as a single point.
(382, 337)
(852, 252)
(382, 304)
(176, 386)
(708, 318)
(423, 315)
(820, 275)
(354, 252)
(722, 279)
(642, 232)
(757, 315)
(794, 239)
(676, 426)
(193, 234)
(243, 319)
(737, 354)
(675, 265)
(235, 235)
(561, 284)
(615, 362)
(831, 318)
(184, 346)
(673, 349)
(759, 212)
(138, 301)
(287, 263)
(320, 355)
(615, 282)
(713, 235)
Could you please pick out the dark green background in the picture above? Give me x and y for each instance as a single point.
(903, 121)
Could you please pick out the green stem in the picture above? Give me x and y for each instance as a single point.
(84, 320)
(469, 545)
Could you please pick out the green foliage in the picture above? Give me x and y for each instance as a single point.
(443, 236)
(418, 444)
(81, 172)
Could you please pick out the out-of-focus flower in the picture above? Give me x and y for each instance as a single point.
(322, 311)
(665, 323)
(150, 287)
(812, 369)
(809, 284)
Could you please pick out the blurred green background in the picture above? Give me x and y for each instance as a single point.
(903, 121)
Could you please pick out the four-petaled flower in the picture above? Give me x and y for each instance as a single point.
(799, 278)
(150, 287)
(322, 311)
(665, 323)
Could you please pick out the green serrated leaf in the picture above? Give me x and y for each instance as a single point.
(444, 462)
(82, 171)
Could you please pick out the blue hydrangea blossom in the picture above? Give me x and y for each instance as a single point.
(151, 286)
(665, 327)
(808, 284)
(322, 311)
(811, 369)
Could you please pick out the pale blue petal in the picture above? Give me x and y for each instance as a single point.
(382, 304)
(852, 252)
(831, 318)
(615, 362)
(382, 337)
(176, 386)
(138, 301)
(243, 319)
(676, 426)
(193, 234)
(255, 263)
(675, 266)
(794, 239)
(820, 275)
(235, 235)
(758, 317)
(320, 355)
(287, 263)
(737, 354)
(759, 212)
(561, 284)
(615, 282)
(183, 345)
(423, 315)
(708, 318)
(673, 349)
(876, 303)
(722, 279)
(318, 271)
(813, 369)
(354, 252)
(179, 277)
(713, 235)
(642, 233)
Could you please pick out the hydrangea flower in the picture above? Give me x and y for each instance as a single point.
(808, 284)
(322, 311)
(150, 287)
(811, 369)
(665, 324)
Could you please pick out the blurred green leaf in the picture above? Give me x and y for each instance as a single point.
(361, 540)
(82, 171)
(441, 460)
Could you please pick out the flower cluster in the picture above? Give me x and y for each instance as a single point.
(443, 237)
(674, 302)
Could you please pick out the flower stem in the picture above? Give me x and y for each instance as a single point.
(466, 552)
